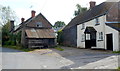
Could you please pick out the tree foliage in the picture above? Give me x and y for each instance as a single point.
(7, 37)
(59, 24)
(60, 37)
(79, 10)
(6, 14)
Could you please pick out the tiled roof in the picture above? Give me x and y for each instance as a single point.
(96, 11)
(29, 20)
(116, 26)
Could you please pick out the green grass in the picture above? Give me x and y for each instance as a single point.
(116, 51)
(118, 68)
(58, 47)
(19, 48)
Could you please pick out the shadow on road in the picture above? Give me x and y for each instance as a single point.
(81, 57)
(9, 50)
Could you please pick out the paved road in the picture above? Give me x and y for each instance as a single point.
(0, 58)
(54, 59)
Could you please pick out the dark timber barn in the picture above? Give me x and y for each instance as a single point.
(36, 32)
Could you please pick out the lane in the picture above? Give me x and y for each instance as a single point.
(14, 59)
(0, 58)
(54, 59)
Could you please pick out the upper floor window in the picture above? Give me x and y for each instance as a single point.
(39, 24)
(83, 26)
(97, 21)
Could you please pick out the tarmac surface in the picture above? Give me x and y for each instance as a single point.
(70, 58)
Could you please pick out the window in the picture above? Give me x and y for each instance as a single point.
(83, 26)
(39, 24)
(100, 35)
(83, 38)
(87, 36)
(97, 21)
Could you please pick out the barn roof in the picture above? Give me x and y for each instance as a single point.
(95, 12)
(40, 33)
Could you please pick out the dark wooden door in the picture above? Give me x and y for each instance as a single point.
(87, 44)
(91, 41)
(109, 41)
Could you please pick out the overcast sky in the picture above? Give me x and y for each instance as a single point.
(53, 10)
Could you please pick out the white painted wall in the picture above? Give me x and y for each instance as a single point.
(109, 30)
(99, 28)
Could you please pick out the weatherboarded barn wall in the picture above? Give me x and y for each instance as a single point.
(70, 36)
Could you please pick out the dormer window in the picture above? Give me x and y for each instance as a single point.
(39, 24)
(97, 21)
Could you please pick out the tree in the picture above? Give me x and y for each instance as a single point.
(60, 37)
(7, 37)
(59, 24)
(79, 10)
(6, 14)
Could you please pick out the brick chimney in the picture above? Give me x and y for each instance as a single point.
(92, 4)
(33, 13)
(22, 20)
(11, 26)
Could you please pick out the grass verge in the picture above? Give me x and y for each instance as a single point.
(118, 68)
(58, 47)
(116, 51)
(19, 48)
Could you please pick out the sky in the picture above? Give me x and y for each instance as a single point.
(53, 10)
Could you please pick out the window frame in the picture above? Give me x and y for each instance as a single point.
(100, 36)
(97, 21)
(83, 38)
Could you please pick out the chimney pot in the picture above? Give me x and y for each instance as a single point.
(92, 4)
(12, 26)
(22, 20)
(33, 13)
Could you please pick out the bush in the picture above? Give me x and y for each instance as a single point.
(7, 43)
(10, 42)
(60, 37)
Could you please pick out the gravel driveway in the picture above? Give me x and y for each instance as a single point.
(70, 58)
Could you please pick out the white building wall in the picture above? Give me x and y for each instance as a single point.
(99, 28)
(109, 30)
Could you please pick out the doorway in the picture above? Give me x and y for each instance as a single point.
(90, 37)
(109, 41)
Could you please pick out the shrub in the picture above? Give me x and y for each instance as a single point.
(60, 37)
